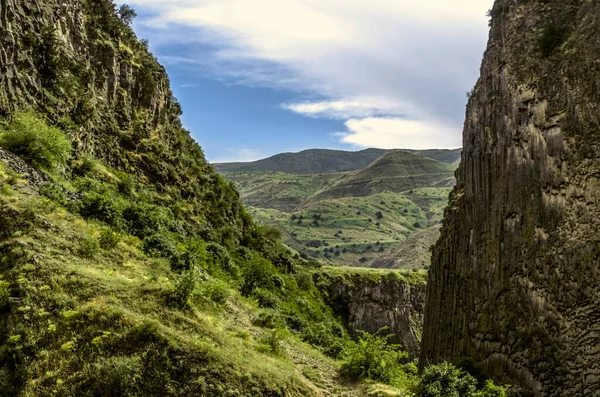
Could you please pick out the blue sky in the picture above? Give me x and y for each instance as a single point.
(260, 77)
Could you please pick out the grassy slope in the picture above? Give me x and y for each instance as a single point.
(102, 323)
(347, 230)
(403, 215)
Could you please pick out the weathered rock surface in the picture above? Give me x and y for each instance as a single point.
(367, 303)
(515, 280)
(78, 65)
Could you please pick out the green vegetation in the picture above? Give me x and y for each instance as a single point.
(374, 359)
(445, 380)
(28, 136)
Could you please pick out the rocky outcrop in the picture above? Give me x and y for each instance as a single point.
(370, 300)
(78, 64)
(515, 278)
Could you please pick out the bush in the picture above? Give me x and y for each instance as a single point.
(88, 247)
(273, 341)
(146, 219)
(186, 286)
(266, 299)
(160, 245)
(31, 138)
(55, 193)
(4, 294)
(101, 207)
(371, 357)
(445, 380)
(110, 239)
(257, 274)
(217, 291)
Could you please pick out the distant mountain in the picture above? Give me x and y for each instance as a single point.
(395, 171)
(385, 214)
(325, 161)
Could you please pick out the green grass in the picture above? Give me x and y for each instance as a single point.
(403, 216)
(85, 317)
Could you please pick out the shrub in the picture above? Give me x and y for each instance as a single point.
(101, 207)
(217, 291)
(446, 380)
(273, 341)
(110, 239)
(551, 38)
(160, 245)
(88, 247)
(304, 281)
(257, 274)
(31, 138)
(371, 357)
(4, 294)
(146, 219)
(266, 299)
(116, 376)
(186, 286)
(55, 193)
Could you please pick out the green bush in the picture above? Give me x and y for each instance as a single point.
(446, 380)
(217, 291)
(145, 219)
(160, 245)
(110, 239)
(371, 357)
(186, 286)
(273, 341)
(257, 274)
(54, 192)
(88, 247)
(266, 299)
(31, 138)
(101, 207)
(192, 254)
(116, 376)
(4, 294)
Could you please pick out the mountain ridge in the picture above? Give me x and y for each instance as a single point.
(317, 161)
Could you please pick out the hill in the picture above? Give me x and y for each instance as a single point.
(128, 266)
(396, 171)
(321, 161)
(355, 218)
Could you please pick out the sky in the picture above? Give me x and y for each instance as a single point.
(260, 77)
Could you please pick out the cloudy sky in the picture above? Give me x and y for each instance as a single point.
(259, 77)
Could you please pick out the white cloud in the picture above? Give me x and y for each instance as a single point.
(392, 132)
(384, 58)
(240, 155)
(343, 109)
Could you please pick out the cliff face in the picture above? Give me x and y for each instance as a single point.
(369, 301)
(79, 65)
(515, 280)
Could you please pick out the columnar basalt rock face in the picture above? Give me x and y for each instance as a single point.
(515, 281)
(369, 304)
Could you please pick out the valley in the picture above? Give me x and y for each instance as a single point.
(358, 217)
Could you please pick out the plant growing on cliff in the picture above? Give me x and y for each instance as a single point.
(29, 137)
(446, 380)
(371, 357)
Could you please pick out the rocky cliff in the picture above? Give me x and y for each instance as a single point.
(515, 279)
(80, 65)
(369, 300)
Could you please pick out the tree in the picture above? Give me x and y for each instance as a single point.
(379, 214)
(127, 14)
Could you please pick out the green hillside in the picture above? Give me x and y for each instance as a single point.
(355, 218)
(320, 161)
